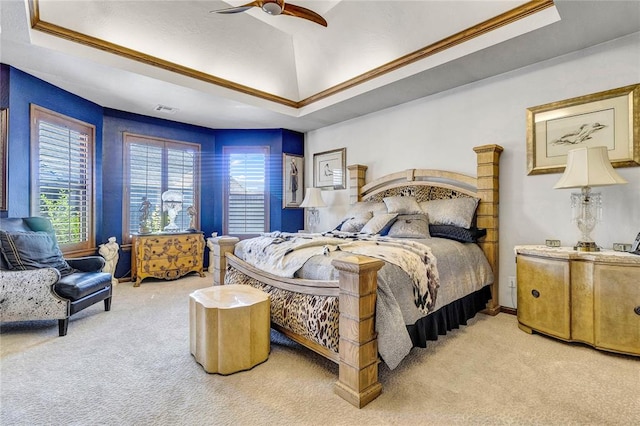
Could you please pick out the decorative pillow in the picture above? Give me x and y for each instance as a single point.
(379, 224)
(402, 205)
(452, 211)
(457, 233)
(32, 250)
(410, 226)
(362, 207)
(356, 223)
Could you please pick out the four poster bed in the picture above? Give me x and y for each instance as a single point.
(416, 256)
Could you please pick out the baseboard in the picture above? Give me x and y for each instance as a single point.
(510, 311)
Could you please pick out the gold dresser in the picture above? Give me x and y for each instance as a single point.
(166, 255)
(588, 297)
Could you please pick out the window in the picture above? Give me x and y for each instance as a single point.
(62, 159)
(246, 209)
(153, 166)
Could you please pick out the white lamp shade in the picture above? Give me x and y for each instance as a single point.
(589, 167)
(313, 198)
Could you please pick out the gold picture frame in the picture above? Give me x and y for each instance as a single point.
(4, 147)
(292, 181)
(329, 169)
(610, 118)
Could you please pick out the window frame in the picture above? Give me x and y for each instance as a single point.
(38, 114)
(164, 143)
(248, 149)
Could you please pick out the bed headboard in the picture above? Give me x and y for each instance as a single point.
(428, 184)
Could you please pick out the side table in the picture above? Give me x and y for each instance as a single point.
(588, 297)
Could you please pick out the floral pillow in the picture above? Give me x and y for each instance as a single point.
(362, 207)
(453, 211)
(379, 224)
(410, 226)
(402, 205)
(356, 223)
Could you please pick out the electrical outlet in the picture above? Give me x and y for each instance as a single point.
(512, 282)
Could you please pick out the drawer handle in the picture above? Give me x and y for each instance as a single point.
(535, 293)
(637, 310)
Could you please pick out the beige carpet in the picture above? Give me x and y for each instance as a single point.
(132, 366)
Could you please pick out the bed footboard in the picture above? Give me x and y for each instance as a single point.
(358, 372)
(356, 292)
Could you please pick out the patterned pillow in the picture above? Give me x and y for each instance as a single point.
(456, 233)
(453, 211)
(32, 250)
(410, 226)
(379, 224)
(402, 205)
(356, 223)
(362, 207)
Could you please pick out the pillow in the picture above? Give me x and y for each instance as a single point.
(362, 207)
(410, 226)
(379, 224)
(451, 211)
(356, 223)
(463, 235)
(402, 205)
(32, 250)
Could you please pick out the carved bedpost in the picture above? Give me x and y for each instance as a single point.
(358, 367)
(488, 158)
(357, 174)
(219, 247)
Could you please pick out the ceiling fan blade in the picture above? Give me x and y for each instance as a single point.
(238, 9)
(302, 12)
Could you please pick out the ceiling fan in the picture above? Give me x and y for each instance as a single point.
(278, 7)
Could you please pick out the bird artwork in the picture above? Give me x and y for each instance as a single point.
(582, 134)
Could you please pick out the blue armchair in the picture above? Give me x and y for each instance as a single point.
(37, 283)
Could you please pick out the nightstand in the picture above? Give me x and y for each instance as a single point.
(588, 297)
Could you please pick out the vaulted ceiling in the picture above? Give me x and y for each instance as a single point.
(176, 60)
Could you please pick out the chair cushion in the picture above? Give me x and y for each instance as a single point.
(32, 250)
(81, 284)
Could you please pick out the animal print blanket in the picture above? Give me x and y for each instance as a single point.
(282, 254)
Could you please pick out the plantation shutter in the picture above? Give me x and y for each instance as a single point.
(246, 191)
(63, 178)
(153, 166)
(181, 167)
(145, 174)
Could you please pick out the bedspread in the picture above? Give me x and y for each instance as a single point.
(283, 254)
(461, 270)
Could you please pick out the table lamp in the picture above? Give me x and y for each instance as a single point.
(313, 200)
(587, 167)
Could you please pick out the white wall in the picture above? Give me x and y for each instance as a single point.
(440, 131)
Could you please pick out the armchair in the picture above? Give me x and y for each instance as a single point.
(44, 286)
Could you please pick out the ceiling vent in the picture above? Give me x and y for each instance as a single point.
(165, 109)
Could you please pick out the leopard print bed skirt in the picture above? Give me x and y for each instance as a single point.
(310, 316)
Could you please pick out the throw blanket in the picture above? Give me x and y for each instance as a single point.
(282, 254)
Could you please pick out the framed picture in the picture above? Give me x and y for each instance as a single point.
(4, 147)
(329, 169)
(292, 181)
(610, 119)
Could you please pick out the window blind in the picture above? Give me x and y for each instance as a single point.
(247, 191)
(63, 182)
(153, 166)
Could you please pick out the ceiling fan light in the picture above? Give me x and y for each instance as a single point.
(272, 8)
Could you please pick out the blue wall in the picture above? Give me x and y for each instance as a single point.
(24, 89)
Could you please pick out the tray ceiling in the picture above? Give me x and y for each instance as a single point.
(255, 70)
